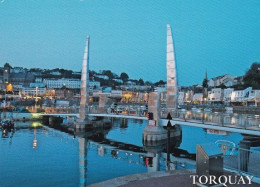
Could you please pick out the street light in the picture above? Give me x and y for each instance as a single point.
(169, 126)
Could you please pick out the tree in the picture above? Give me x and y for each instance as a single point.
(124, 76)
(141, 82)
(161, 82)
(205, 83)
(108, 73)
(252, 76)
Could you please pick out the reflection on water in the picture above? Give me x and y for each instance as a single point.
(34, 154)
(220, 118)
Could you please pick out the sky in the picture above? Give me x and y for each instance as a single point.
(220, 36)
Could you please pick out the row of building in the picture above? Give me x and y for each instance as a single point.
(218, 95)
(26, 80)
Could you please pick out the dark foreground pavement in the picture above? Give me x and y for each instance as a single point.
(179, 178)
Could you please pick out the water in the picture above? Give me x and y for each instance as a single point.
(36, 155)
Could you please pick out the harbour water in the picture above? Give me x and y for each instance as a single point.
(37, 155)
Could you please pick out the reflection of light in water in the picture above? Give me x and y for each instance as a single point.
(34, 140)
(36, 124)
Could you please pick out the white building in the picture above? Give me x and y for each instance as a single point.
(240, 95)
(215, 95)
(227, 94)
(254, 96)
(102, 76)
(59, 83)
(68, 83)
(223, 79)
(27, 91)
(181, 98)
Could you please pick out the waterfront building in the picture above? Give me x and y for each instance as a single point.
(197, 98)
(215, 95)
(127, 96)
(181, 98)
(254, 97)
(189, 96)
(240, 95)
(227, 95)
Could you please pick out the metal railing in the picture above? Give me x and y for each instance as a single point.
(240, 159)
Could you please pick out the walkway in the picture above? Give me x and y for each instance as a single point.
(243, 129)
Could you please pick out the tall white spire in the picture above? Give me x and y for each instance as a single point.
(172, 84)
(84, 82)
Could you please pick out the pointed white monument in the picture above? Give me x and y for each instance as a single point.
(172, 84)
(156, 133)
(83, 110)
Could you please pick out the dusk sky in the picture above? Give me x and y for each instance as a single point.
(222, 36)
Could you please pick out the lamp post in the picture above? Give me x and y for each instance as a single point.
(169, 125)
